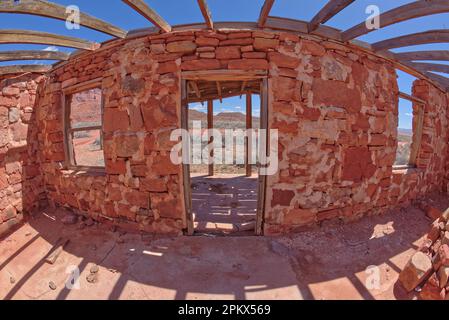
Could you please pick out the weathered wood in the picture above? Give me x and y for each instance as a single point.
(411, 98)
(195, 88)
(206, 13)
(141, 7)
(444, 68)
(440, 55)
(220, 95)
(264, 12)
(37, 37)
(248, 139)
(329, 10)
(33, 55)
(224, 75)
(443, 81)
(32, 68)
(432, 36)
(210, 126)
(57, 249)
(56, 11)
(406, 12)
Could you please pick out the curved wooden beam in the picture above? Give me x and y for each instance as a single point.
(206, 13)
(440, 55)
(329, 10)
(264, 12)
(432, 36)
(33, 55)
(56, 11)
(406, 12)
(37, 37)
(33, 68)
(148, 13)
(444, 68)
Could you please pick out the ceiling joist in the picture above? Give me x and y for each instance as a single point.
(444, 68)
(440, 55)
(37, 37)
(141, 7)
(264, 13)
(32, 68)
(52, 10)
(33, 55)
(432, 36)
(329, 10)
(206, 13)
(406, 12)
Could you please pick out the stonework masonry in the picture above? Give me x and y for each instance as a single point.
(335, 106)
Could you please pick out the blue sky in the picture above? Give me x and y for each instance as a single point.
(187, 11)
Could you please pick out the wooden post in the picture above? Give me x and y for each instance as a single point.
(210, 126)
(249, 125)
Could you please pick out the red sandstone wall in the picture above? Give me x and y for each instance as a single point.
(335, 108)
(21, 184)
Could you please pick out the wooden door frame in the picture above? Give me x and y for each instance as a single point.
(224, 75)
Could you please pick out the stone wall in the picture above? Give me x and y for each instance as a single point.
(21, 184)
(335, 108)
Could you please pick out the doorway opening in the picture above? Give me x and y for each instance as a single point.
(225, 192)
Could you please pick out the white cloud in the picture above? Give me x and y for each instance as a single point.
(198, 107)
(51, 48)
(409, 114)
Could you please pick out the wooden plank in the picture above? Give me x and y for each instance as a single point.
(440, 55)
(195, 88)
(141, 7)
(265, 12)
(224, 75)
(52, 10)
(444, 68)
(432, 36)
(329, 10)
(57, 249)
(411, 98)
(83, 86)
(33, 55)
(406, 12)
(210, 126)
(248, 139)
(220, 95)
(37, 37)
(206, 13)
(32, 68)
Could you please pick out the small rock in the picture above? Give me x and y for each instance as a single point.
(52, 285)
(113, 228)
(120, 240)
(81, 226)
(28, 234)
(418, 268)
(94, 269)
(443, 276)
(12, 280)
(433, 213)
(431, 290)
(92, 278)
(89, 222)
(445, 238)
(69, 219)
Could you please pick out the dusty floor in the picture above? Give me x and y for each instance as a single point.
(224, 203)
(327, 263)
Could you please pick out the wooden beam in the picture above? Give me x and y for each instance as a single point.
(248, 139)
(224, 75)
(33, 55)
(141, 7)
(411, 98)
(243, 86)
(32, 68)
(210, 126)
(52, 10)
(219, 91)
(329, 10)
(264, 12)
(195, 88)
(444, 68)
(432, 36)
(406, 12)
(440, 55)
(206, 13)
(37, 37)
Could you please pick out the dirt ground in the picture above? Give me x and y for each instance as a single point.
(329, 262)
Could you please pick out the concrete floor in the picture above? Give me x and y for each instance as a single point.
(327, 263)
(224, 203)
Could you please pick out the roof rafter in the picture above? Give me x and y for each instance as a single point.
(33, 68)
(56, 11)
(148, 13)
(406, 12)
(264, 12)
(33, 55)
(423, 55)
(444, 68)
(432, 36)
(206, 13)
(327, 12)
(37, 37)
